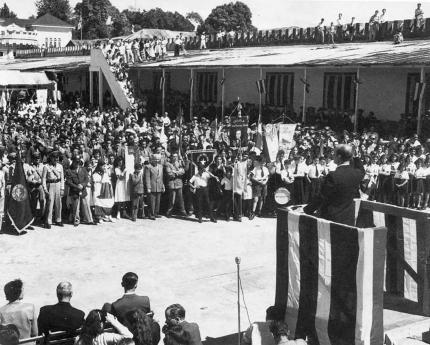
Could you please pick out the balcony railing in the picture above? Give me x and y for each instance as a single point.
(51, 52)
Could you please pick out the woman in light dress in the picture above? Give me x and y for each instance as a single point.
(103, 192)
(121, 191)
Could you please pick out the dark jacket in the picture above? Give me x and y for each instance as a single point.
(129, 302)
(73, 179)
(193, 330)
(137, 185)
(336, 199)
(59, 317)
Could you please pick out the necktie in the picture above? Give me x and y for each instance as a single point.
(296, 169)
(262, 174)
(317, 173)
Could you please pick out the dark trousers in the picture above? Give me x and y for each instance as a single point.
(202, 196)
(154, 201)
(237, 212)
(176, 197)
(136, 203)
(227, 200)
(37, 194)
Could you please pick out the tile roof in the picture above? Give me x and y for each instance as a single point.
(49, 20)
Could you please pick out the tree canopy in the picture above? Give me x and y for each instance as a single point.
(58, 8)
(5, 12)
(158, 19)
(231, 16)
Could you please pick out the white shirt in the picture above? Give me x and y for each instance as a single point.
(226, 182)
(200, 181)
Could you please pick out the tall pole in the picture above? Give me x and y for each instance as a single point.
(420, 102)
(163, 93)
(261, 96)
(357, 86)
(222, 95)
(237, 260)
(191, 92)
(304, 96)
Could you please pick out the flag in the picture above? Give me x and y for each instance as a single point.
(109, 20)
(162, 81)
(261, 86)
(18, 205)
(307, 85)
(419, 89)
(259, 139)
(204, 156)
(80, 23)
(330, 278)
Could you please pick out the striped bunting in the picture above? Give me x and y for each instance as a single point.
(406, 230)
(333, 294)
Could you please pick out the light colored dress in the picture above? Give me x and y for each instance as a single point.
(121, 193)
(103, 194)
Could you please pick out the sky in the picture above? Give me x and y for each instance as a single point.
(266, 13)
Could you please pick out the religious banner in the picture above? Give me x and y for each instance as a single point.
(204, 157)
(42, 98)
(239, 131)
(286, 137)
(272, 141)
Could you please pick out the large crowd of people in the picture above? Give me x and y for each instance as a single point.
(89, 166)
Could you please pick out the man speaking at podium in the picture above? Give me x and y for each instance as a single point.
(335, 202)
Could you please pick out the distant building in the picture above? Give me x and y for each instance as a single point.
(46, 30)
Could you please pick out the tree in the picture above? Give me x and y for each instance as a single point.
(58, 8)
(94, 16)
(5, 12)
(158, 19)
(231, 16)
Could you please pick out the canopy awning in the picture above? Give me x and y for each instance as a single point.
(18, 79)
(150, 33)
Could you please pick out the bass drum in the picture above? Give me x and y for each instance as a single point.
(282, 196)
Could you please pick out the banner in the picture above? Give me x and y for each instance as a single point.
(239, 130)
(18, 204)
(204, 156)
(286, 137)
(272, 141)
(42, 98)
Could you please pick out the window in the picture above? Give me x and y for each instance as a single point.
(207, 87)
(50, 42)
(157, 78)
(279, 89)
(339, 91)
(55, 43)
(59, 42)
(46, 42)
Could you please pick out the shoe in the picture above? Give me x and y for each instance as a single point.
(183, 214)
(47, 226)
(157, 216)
(168, 214)
(213, 220)
(75, 224)
(251, 216)
(133, 219)
(227, 219)
(200, 220)
(152, 218)
(30, 228)
(189, 213)
(59, 224)
(239, 219)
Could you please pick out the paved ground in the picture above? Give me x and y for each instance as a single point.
(176, 260)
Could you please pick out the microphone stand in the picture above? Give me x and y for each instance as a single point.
(237, 260)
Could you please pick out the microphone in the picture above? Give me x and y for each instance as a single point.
(237, 260)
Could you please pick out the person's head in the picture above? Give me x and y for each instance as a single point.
(140, 325)
(175, 157)
(14, 290)
(92, 327)
(175, 313)
(384, 10)
(342, 153)
(9, 335)
(129, 281)
(137, 167)
(275, 313)
(419, 5)
(64, 291)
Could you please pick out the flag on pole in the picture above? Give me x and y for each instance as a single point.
(80, 23)
(261, 86)
(18, 206)
(162, 81)
(419, 89)
(307, 85)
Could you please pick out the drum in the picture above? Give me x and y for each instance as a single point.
(282, 196)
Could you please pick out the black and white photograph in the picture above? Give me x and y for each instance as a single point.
(214, 172)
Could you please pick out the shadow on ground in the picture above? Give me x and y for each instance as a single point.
(401, 304)
(230, 339)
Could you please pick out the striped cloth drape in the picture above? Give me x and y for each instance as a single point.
(330, 278)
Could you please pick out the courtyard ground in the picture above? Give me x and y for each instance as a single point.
(178, 261)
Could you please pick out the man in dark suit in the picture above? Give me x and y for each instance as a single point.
(77, 179)
(130, 300)
(61, 316)
(336, 199)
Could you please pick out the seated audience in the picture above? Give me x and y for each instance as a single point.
(178, 329)
(145, 330)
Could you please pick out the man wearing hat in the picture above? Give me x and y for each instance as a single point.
(37, 194)
(53, 185)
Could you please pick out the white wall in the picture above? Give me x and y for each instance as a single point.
(43, 33)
